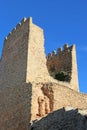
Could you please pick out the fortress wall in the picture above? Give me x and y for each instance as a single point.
(41, 103)
(20, 105)
(64, 60)
(15, 107)
(14, 57)
(64, 96)
(57, 96)
(36, 65)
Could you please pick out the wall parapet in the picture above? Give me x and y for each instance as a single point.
(17, 27)
(64, 59)
(59, 51)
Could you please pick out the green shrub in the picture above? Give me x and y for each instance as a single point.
(62, 76)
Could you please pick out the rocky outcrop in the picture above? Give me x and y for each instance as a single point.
(63, 119)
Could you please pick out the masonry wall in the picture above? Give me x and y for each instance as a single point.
(64, 60)
(15, 107)
(57, 95)
(36, 62)
(64, 96)
(13, 64)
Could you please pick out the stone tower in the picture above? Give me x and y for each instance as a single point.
(23, 58)
(64, 60)
(23, 63)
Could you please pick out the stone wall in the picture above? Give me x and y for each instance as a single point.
(64, 60)
(15, 107)
(64, 96)
(60, 61)
(36, 60)
(21, 105)
(13, 64)
(47, 97)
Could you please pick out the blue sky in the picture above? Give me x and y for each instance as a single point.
(63, 21)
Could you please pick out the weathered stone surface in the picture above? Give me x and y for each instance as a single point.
(62, 120)
(15, 107)
(58, 96)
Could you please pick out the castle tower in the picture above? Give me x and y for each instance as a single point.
(64, 60)
(27, 91)
(23, 64)
(23, 58)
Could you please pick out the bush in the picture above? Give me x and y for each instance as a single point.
(62, 76)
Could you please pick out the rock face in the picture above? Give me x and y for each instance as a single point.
(62, 120)
(27, 91)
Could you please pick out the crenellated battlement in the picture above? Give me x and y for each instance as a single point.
(64, 59)
(18, 26)
(59, 51)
